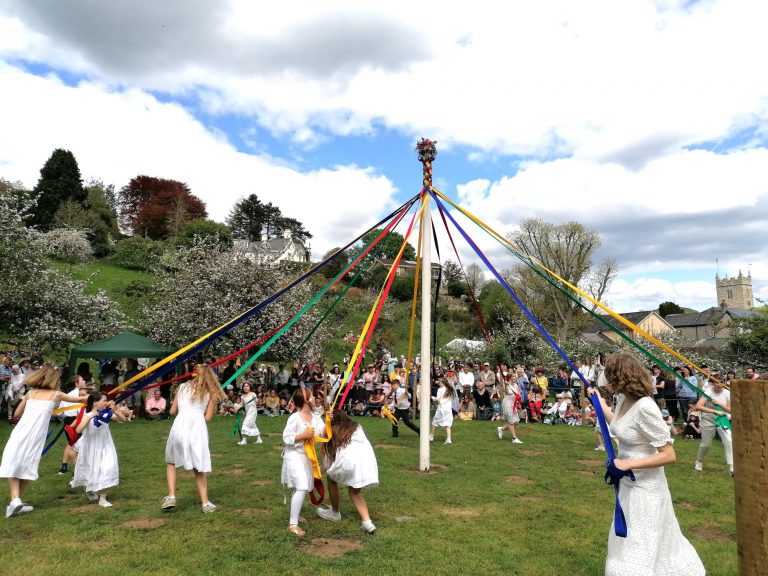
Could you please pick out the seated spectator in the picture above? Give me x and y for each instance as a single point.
(496, 404)
(692, 430)
(227, 407)
(125, 411)
(376, 402)
(284, 407)
(556, 413)
(535, 400)
(482, 399)
(155, 406)
(272, 403)
(670, 422)
(467, 408)
(358, 398)
(572, 415)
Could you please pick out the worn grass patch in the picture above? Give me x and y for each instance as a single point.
(331, 547)
(144, 523)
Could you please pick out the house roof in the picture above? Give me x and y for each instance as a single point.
(634, 317)
(273, 246)
(707, 317)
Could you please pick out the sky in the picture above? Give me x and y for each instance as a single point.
(646, 121)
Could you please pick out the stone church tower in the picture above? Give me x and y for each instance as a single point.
(735, 292)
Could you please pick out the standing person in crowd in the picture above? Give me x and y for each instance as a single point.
(751, 374)
(720, 398)
(402, 401)
(97, 469)
(334, 381)
(487, 378)
(296, 473)
(658, 383)
(194, 405)
(654, 543)
(576, 382)
(540, 380)
(523, 384)
(510, 408)
(281, 378)
(78, 395)
(686, 392)
(370, 379)
(466, 379)
(444, 414)
(560, 382)
(6, 369)
(249, 406)
(669, 392)
(22, 452)
(353, 464)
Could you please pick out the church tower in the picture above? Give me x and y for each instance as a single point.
(735, 292)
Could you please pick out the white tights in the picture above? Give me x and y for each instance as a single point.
(297, 501)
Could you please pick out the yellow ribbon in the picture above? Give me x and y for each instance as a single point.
(389, 416)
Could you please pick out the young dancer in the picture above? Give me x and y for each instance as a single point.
(22, 452)
(401, 400)
(510, 408)
(654, 543)
(444, 414)
(96, 468)
(708, 410)
(353, 464)
(194, 405)
(248, 404)
(80, 394)
(296, 473)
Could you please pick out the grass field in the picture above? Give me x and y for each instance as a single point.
(487, 507)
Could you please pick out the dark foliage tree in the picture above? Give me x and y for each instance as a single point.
(389, 246)
(94, 214)
(667, 308)
(336, 265)
(452, 272)
(748, 346)
(59, 182)
(156, 207)
(194, 230)
(250, 218)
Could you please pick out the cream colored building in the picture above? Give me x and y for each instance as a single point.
(648, 321)
(272, 251)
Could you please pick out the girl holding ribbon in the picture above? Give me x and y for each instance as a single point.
(96, 468)
(194, 405)
(654, 544)
(248, 404)
(297, 472)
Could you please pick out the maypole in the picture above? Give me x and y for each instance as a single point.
(427, 154)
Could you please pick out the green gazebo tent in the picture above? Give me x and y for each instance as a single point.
(124, 345)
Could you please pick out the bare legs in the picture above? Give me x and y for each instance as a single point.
(16, 487)
(201, 479)
(170, 476)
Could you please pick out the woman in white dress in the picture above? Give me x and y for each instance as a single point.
(22, 452)
(96, 468)
(249, 404)
(510, 408)
(194, 405)
(297, 470)
(654, 545)
(352, 464)
(444, 414)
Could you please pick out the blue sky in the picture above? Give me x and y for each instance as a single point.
(626, 117)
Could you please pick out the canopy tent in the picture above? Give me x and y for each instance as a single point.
(124, 345)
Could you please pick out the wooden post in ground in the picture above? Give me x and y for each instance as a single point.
(749, 409)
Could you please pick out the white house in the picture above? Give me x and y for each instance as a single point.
(270, 251)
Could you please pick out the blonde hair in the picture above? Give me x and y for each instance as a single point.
(48, 377)
(205, 383)
(628, 376)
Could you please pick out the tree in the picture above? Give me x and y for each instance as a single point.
(452, 272)
(667, 308)
(249, 219)
(336, 265)
(68, 244)
(389, 246)
(59, 181)
(748, 345)
(567, 249)
(39, 304)
(137, 252)
(195, 230)
(95, 215)
(156, 207)
(475, 277)
(208, 286)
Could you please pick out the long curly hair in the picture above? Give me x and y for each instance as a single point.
(342, 427)
(627, 375)
(205, 383)
(48, 377)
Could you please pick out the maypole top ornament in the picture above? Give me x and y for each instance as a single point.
(427, 150)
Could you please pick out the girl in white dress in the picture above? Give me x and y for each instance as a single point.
(22, 452)
(444, 414)
(510, 408)
(654, 545)
(352, 464)
(302, 425)
(194, 405)
(96, 468)
(248, 403)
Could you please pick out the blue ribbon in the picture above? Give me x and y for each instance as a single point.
(620, 525)
(102, 417)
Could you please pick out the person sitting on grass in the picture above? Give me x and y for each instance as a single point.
(466, 408)
(692, 430)
(155, 406)
(272, 403)
(227, 406)
(376, 402)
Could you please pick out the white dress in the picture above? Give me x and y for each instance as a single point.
(508, 404)
(297, 469)
(444, 413)
(355, 464)
(654, 545)
(249, 427)
(96, 468)
(22, 453)
(188, 439)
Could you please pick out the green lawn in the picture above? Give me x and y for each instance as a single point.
(488, 507)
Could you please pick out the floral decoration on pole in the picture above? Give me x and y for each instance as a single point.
(427, 154)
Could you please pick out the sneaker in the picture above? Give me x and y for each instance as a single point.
(500, 433)
(698, 467)
(13, 508)
(92, 496)
(327, 513)
(368, 527)
(516, 441)
(259, 440)
(169, 503)
(448, 441)
(105, 504)
(63, 470)
(209, 507)
(25, 509)
(431, 437)
(242, 442)
(600, 449)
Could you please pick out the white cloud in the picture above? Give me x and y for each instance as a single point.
(119, 135)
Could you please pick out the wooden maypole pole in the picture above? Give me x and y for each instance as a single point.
(427, 154)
